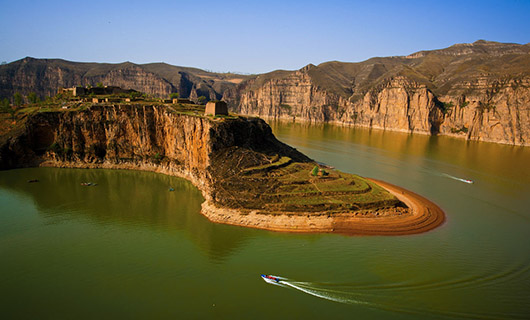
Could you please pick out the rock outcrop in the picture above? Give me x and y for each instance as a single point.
(45, 76)
(478, 91)
(142, 137)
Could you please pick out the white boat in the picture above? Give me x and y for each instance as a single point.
(270, 279)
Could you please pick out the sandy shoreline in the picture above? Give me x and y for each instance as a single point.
(424, 216)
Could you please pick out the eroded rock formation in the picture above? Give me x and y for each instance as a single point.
(478, 91)
(143, 137)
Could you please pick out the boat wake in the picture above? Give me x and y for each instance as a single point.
(332, 295)
(311, 289)
(364, 296)
(456, 178)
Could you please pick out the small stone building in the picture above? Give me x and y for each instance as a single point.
(215, 108)
(183, 101)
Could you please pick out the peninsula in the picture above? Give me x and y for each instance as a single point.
(247, 177)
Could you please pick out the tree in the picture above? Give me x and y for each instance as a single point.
(5, 107)
(201, 99)
(32, 97)
(174, 95)
(314, 172)
(17, 98)
(99, 85)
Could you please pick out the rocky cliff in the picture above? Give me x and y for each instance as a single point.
(142, 137)
(46, 76)
(476, 91)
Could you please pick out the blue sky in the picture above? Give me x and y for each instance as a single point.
(250, 36)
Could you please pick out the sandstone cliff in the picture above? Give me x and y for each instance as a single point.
(143, 137)
(478, 91)
(46, 76)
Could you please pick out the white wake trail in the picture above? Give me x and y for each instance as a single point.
(324, 294)
(456, 178)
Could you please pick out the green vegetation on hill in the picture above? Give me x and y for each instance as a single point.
(270, 185)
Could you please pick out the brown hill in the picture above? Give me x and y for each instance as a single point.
(46, 76)
(478, 91)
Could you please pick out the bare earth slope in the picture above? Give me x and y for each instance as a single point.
(246, 175)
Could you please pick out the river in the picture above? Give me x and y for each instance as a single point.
(130, 248)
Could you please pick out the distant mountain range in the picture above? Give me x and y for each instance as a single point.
(478, 91)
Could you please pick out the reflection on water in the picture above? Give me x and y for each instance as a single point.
(128, 198)
(504, 160)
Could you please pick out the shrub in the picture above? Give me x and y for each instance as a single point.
(158, 157)
(33, 98)
(55, 148)
(314, 172)
(174, 95)
(17, 98)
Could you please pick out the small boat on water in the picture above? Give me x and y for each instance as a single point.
(270, 279)
(89, 184)
(467, 181)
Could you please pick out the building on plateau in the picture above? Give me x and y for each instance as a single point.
(215, 108)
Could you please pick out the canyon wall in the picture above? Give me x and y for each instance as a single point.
(482, 110)
(138, 137)
(475, 91)
(45, 76)
(478, 91)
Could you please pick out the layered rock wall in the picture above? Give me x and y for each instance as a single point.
(482, 109)
(136, 137)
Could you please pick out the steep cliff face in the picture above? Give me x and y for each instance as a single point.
(489, 110)
(398, 104)
(142, 137)
(46, 76)
(476, 91)
(294, 96)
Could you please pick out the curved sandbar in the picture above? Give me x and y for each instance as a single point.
(423, 216)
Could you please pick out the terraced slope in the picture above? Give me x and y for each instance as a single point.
(278, 185)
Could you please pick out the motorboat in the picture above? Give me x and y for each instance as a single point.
(270, 279)
(467, 181)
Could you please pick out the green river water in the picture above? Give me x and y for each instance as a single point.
(129, 248)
